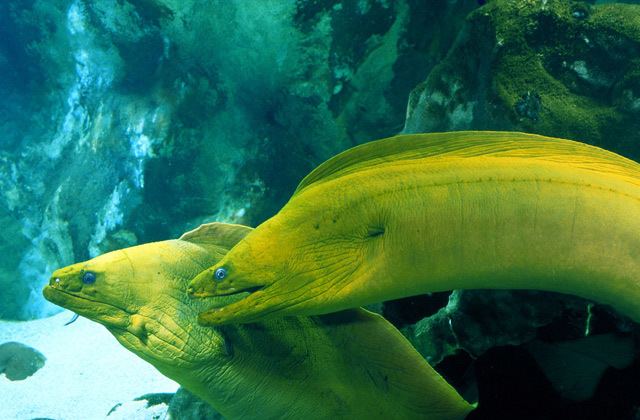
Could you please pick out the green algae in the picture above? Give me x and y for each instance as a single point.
(580, 60)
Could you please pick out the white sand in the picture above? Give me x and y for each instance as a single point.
(87, 372)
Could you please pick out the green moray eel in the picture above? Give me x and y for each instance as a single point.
(351, 364)
(423, 213)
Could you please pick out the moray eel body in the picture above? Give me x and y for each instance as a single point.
(423, 213)
(351, 364)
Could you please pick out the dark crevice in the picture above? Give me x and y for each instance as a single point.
(409, 310)
(374, 232)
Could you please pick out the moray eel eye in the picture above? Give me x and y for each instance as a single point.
(220, 274)
(89, 278)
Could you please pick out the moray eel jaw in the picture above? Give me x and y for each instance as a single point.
(74, 287)
(106, 314)
(85, 289)
(141, 307)
(205, 284)
(253, 269)
(325, 246)
(231, 275)
(241, 276)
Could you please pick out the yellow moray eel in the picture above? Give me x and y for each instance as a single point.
(352, 364)
(423, 213)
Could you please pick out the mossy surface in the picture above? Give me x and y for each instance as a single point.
(579, 60)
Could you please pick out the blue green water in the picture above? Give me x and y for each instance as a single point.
(134, 121)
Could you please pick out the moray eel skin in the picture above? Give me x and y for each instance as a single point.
(351, 364)
(423, 213)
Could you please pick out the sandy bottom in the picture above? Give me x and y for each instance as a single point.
(87, 372)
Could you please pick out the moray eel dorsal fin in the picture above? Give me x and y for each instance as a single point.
(221, 234)
(467, 144)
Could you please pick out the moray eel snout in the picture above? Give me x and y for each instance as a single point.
(210, 283)
(224, 279)
(68, 279)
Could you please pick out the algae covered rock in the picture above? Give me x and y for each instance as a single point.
(18, 361)
(559, 68)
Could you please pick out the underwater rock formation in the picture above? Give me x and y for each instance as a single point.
(72, 169)
(184, 405)
(18, 361)
(532, 354)
(475, 321)
(559, 68)
(148, 406)
(131, 121)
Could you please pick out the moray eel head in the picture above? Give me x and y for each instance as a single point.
(88, 290)
(239, 273)
(285, 254)
(138, 293)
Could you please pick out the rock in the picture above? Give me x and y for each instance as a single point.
(476, 320)
(77, 173)
(148, 406)
(559, 68)
(13, 243)
(182, 405)
(18, 361)
(185, 405)
(575, 367)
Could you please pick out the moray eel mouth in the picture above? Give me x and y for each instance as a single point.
(118, 320)
(208, 284)
(199, 292)
(105, 313)
(87, 290)
(125, 325)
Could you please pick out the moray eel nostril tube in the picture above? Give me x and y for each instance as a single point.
(353, 364)
(430, 212)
